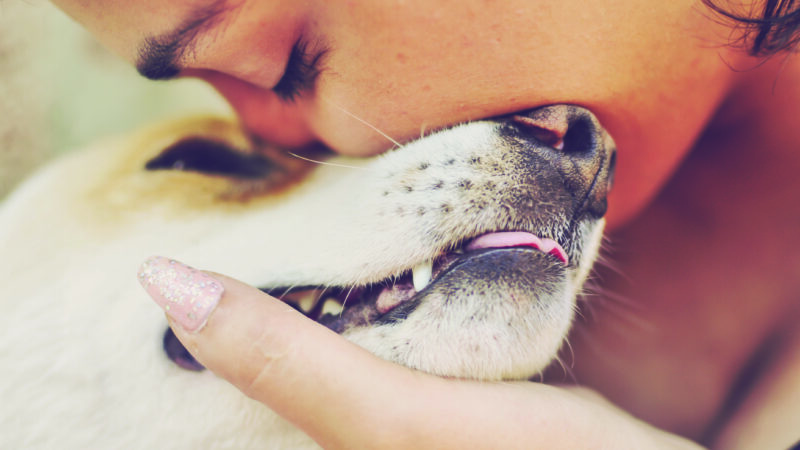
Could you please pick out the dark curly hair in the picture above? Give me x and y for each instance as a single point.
(774, 29)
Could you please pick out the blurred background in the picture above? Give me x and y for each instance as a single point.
(60, 90)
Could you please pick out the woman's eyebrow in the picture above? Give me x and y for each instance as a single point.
(158, 57)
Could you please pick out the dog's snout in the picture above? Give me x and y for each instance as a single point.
(572, 140)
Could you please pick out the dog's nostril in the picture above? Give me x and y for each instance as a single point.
(581, 138)
(548, 135)
(572, 132)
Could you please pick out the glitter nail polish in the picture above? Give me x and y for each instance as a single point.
(186, 294)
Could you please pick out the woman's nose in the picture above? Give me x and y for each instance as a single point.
(263, 112)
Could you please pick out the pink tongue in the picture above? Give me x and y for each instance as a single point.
(518, 239)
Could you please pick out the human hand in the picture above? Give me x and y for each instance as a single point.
(344, 397)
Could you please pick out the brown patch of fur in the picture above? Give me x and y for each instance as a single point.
(127, 186)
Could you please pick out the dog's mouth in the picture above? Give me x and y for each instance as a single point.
(392, 299)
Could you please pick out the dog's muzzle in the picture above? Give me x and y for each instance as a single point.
(560, 164)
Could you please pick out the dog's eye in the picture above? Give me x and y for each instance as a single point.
(301, 71)
(211, 157)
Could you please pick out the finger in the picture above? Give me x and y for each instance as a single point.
(276, 355)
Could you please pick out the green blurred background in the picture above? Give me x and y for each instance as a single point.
(60, 90)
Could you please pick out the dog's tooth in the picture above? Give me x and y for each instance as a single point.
(308, 301)
(331, 306)
(421, 275)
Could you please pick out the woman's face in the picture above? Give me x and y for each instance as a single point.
(653, 72)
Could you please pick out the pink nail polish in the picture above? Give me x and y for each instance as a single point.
(186, 294)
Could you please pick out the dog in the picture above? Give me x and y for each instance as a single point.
(460, 254)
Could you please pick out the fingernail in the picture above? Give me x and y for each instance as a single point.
(186, 294)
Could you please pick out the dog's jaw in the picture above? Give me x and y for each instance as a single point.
(503, 315)
(477, 323)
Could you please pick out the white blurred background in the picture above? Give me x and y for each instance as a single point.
(60, 90)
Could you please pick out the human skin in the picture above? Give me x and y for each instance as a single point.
(629, 62)
(657, 74)
(696, 327)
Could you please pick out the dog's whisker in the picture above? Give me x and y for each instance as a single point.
(569, 373)
(634, 321)
(287, 290)
(325, 163)
(624, 310)
(373, 127)
(605, 260)
(608, 296)
(347, 296)
(592, 345)
(583, 311)
(568, 346)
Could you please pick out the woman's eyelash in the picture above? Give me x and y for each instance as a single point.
(301, 71)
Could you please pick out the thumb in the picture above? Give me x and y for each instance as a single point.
(300, 369)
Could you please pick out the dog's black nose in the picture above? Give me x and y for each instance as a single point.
(572, 140)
